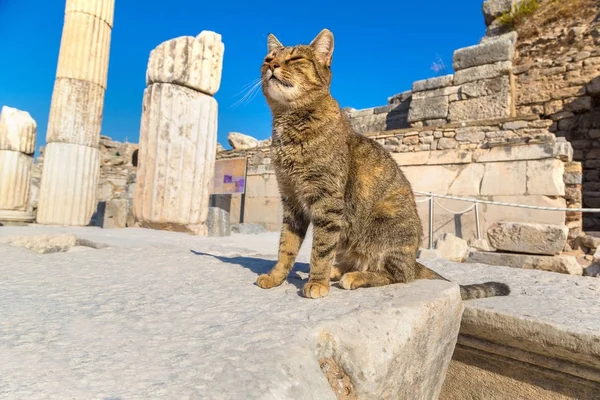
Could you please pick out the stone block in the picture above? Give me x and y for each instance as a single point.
(15, 180)
(425, 254)
(369, 123)
(497, 213)
(431, 108)
(17, 130)
(193, 62)
(492, 9)
(115, 214)
(400, 98)
(471, 134)
(560, 150)
(504, 178)
(545, 177)
(430, 178)
(447, 143)
(176, 158)
(487, 71)
(485, 87)
(579, 104)
(76, 113)
(218, 222)
(450, 157)
(467, 181)
(69, 183)
(444, 91)
(480, 245)
(451, 247)
(239, 141)
(528, 238)
(432, 83)
(411, 158)
(560, 264)
(497, 105)
(248, 229)
(486, 53)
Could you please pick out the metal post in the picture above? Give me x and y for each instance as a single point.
(430, 220)
(477, 220)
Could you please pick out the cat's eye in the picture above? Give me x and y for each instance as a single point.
(295, 58)
(268, 59)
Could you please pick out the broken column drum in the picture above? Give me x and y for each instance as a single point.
(178, 134)
(17, 145)
(72, 159)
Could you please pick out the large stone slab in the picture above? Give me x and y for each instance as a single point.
(482, 72)
(194, 62)
(432, 83)
(497, 105)
(147, 317)
(560, 150)
(529, 238)
(430, 108)
(530, 342)
(482, 54)
(239, 141)
(492, 9)
(545, 177)
(561, 264)
(504, 178)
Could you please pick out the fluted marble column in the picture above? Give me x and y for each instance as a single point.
(17, 145)
(71, 163)
(178, 134)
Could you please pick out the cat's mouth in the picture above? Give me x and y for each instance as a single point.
(280, 81)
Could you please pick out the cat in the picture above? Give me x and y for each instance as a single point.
(361, 205)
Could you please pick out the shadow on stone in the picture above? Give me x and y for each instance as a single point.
(262, 266)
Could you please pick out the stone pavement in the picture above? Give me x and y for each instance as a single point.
(161, 315)
(167, 315)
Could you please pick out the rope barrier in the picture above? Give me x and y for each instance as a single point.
(455, 212)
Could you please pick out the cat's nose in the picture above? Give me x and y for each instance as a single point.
(273, 65)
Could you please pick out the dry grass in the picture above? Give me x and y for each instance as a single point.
(567, 12)
(519, 14)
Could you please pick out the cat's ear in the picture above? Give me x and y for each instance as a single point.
(273, 43)
(323, 46)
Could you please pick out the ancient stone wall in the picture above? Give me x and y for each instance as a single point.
(507, 160)
(557, 75)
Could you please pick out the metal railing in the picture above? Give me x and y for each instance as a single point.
(431, 198)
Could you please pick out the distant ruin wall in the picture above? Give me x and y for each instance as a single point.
(508, 160)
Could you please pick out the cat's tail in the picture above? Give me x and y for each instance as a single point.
(467, 292)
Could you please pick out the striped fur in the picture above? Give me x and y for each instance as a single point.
(365, 223)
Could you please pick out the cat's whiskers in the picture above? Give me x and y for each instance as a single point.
(250, 93)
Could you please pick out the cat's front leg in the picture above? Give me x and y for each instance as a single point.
(327, 221)
(293, 231)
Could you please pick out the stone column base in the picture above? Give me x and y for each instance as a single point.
(16, 216)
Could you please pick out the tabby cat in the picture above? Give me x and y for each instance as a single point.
(365, 223)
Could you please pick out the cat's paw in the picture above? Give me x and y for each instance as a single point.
(352, 280)
(315, 290)
(336, 274)
(266, 281)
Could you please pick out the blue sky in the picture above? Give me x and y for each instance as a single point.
(380, 49)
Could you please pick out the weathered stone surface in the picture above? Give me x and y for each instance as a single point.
(560, 264)
(443, 91)
(504, 178)
(85, 41)
(239, 141)
(530, 342)
(451, 247)
(529, 238)
(431, 108)
(76, 112)
(115, 214)
(218, 222)
(545, 177)
(248, 229)
(482, 72)
(196, 63)
(432, 83)
(176, 157)
(481, 245)
(400, 98)
(511, 36)
(15, 180)
(497, 105)
(485, 87)
(492, 9)
(17, 130)
(467, 181)
(424, 254)
(153, 311)
(483, 54)
(69, 184)
(561, 150)
(48, 243)
(447, 143)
